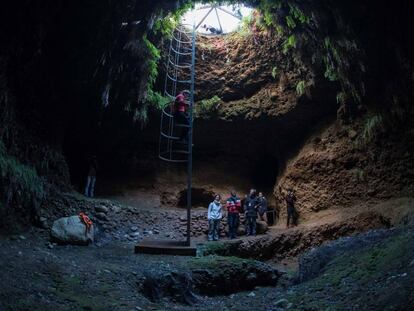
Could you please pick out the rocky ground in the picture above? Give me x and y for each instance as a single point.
(38, 274)
(124, 218)
(113, 277)
(371, 271)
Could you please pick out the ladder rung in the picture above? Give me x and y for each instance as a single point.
(180, 151)
(176, 151)
(182, 25)
(176, 138)
(181, 41)
(169, 136)
(188, 65)
(187, 33)
(178, 81)
(172, 116)
(180, 53)
(181, 125)
(169, 95)
(166, 113)
(172, 160)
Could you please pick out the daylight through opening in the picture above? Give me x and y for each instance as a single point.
(214, 19)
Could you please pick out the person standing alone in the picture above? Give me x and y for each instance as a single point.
(291, 212)
(214, 216)
(233, 206)
(91, 179)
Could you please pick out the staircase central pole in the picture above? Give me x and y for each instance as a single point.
(190, 139)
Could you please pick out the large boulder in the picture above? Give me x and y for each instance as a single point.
(71, 230)
(241, 230)
(261, 227)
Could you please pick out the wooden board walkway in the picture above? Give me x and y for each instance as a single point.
(163, 247)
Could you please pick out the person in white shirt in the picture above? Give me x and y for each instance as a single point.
(214, 216)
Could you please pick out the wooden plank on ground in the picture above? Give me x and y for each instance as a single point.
(164, 247)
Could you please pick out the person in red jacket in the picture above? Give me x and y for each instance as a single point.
(233, 206)
(180, 115)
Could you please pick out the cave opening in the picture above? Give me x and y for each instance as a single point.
(201, 197)
(217, 19)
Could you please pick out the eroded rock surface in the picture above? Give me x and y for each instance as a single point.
(209, 276)
(290, 243)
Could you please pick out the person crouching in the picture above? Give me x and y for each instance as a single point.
(214, 216)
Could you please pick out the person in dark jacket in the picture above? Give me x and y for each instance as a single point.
(262, 207)
(233, 206)
(251, 207)
(291, 212)
(91, 180)
(243, 210)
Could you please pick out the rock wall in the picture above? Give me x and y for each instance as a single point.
(340, 167)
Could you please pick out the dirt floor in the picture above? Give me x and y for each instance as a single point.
(39, 275)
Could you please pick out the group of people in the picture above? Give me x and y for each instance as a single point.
(253, 206)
